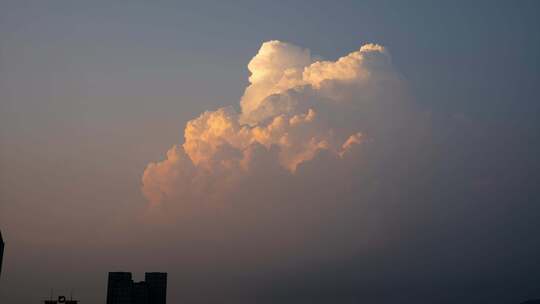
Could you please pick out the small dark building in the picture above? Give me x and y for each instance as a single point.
(122, 290)
(157, 287)
(119, 288)
(1, 251)
(61, 300)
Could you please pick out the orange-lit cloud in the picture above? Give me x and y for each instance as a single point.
(295, 106)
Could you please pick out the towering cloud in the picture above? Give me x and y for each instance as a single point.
(295, 108)
(330, 183)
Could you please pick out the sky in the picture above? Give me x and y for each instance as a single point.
(271, 152)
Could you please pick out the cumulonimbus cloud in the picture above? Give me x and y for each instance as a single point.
(330, 172)
(295, 107)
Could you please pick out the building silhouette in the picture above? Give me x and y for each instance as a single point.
(1, 251)
(122, 290)
(119, 288)
(157, 287)
(60, 300)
